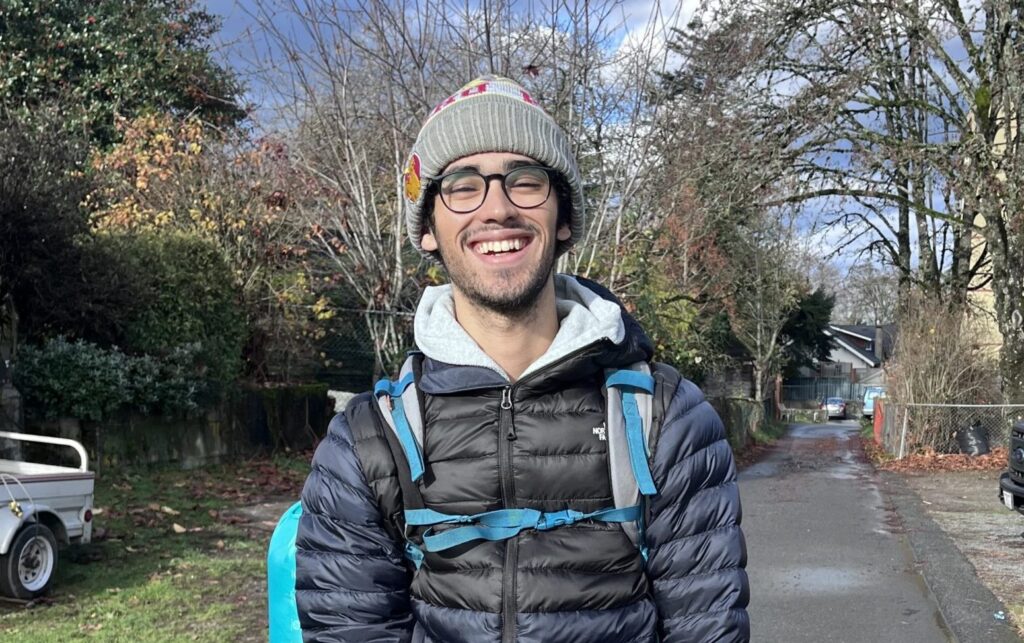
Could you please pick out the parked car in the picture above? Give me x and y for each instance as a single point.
(1011, 483)
(870, 393)
(834, 407)
(41, 506)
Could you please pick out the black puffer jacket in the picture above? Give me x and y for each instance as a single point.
(581, 583)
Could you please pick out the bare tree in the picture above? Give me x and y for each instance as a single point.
(868, 294)
(907, 113)
(764, 290)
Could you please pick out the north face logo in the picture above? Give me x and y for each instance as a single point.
(601, 433)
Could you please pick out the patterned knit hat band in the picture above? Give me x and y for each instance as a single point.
(490, 114)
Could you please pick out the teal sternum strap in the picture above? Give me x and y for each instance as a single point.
(635, 440)
(405, 437)
(504, 523)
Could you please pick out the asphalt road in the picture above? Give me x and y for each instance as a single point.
(827, 557)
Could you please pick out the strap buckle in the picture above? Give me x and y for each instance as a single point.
(558, 519)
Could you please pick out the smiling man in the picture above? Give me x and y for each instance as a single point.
(531, 476)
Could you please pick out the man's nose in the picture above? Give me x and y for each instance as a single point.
(496, 205)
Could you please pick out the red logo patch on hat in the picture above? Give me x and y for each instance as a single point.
(411, 178)
(482, 86)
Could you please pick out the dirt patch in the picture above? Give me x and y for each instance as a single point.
(966, 506)
(752, 454)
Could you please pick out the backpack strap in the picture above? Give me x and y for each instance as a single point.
(400, 406)
(629, 397)
(502, 524)
(400, 409)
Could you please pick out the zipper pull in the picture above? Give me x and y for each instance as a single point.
(506, 405)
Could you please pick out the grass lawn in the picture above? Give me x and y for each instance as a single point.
(173, 558)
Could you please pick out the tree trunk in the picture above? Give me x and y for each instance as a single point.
(1009, 295)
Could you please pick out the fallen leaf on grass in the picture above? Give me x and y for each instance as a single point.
(154, 506)
(178, 529)
(168, 510)
(220, 544)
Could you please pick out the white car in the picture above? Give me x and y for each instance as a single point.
(834, 407)
(41, 506)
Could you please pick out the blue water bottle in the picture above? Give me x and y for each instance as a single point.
(282, 613)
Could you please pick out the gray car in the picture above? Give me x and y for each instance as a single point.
(835, 407)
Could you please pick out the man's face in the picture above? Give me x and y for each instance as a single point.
(499, 256)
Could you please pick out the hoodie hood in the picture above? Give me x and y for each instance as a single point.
(587, 313)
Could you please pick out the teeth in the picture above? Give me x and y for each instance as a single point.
(494, 247)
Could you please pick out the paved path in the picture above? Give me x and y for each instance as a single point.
(827, 559)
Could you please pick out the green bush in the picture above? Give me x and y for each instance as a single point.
(81, 379)
(76, 379)
(187, 305)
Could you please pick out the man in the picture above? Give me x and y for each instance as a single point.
(413, 542)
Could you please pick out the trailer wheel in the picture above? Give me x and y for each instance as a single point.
(28, 567)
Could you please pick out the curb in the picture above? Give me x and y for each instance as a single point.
(966, 605)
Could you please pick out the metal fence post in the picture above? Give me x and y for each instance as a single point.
(903, 435)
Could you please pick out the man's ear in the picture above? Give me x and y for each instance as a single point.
(429, 243)
(564, 233)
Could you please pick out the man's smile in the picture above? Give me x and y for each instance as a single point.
(500, 246)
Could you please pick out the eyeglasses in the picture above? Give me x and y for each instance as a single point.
(463, 191)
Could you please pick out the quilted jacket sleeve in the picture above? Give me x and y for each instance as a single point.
(351, 583)
(697, 552)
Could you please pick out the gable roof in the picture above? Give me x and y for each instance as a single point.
(867, 332)
(867, 357)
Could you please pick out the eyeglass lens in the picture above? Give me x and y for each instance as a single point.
(525, 187)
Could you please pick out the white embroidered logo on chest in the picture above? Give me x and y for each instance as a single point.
(601, 433)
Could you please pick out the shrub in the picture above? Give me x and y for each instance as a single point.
(187, 309)
(938, 357)
(76, 379)
(81, 379)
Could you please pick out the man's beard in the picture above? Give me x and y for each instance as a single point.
(504, 294)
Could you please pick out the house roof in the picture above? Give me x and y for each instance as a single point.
(867, 332)
(867, 357)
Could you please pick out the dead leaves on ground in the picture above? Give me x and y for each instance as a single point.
(929, 460)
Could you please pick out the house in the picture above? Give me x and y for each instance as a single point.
(859, 352)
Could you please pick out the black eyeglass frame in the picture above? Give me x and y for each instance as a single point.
(551, 172)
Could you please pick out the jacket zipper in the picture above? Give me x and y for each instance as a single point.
(506, 436)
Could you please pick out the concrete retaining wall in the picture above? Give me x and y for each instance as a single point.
(254, 420)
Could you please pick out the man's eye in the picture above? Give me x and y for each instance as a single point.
(526, 184)
(527, 179)
(462, 185)
(462, 188)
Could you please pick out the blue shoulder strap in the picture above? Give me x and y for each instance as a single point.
(399, 405)
(629, 395)
(629, 383)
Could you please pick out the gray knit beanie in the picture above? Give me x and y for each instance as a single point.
(489, 114)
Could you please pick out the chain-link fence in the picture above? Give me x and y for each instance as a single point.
(945, 428)
(349, 360)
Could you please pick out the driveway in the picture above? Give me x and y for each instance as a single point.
(827, 557)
